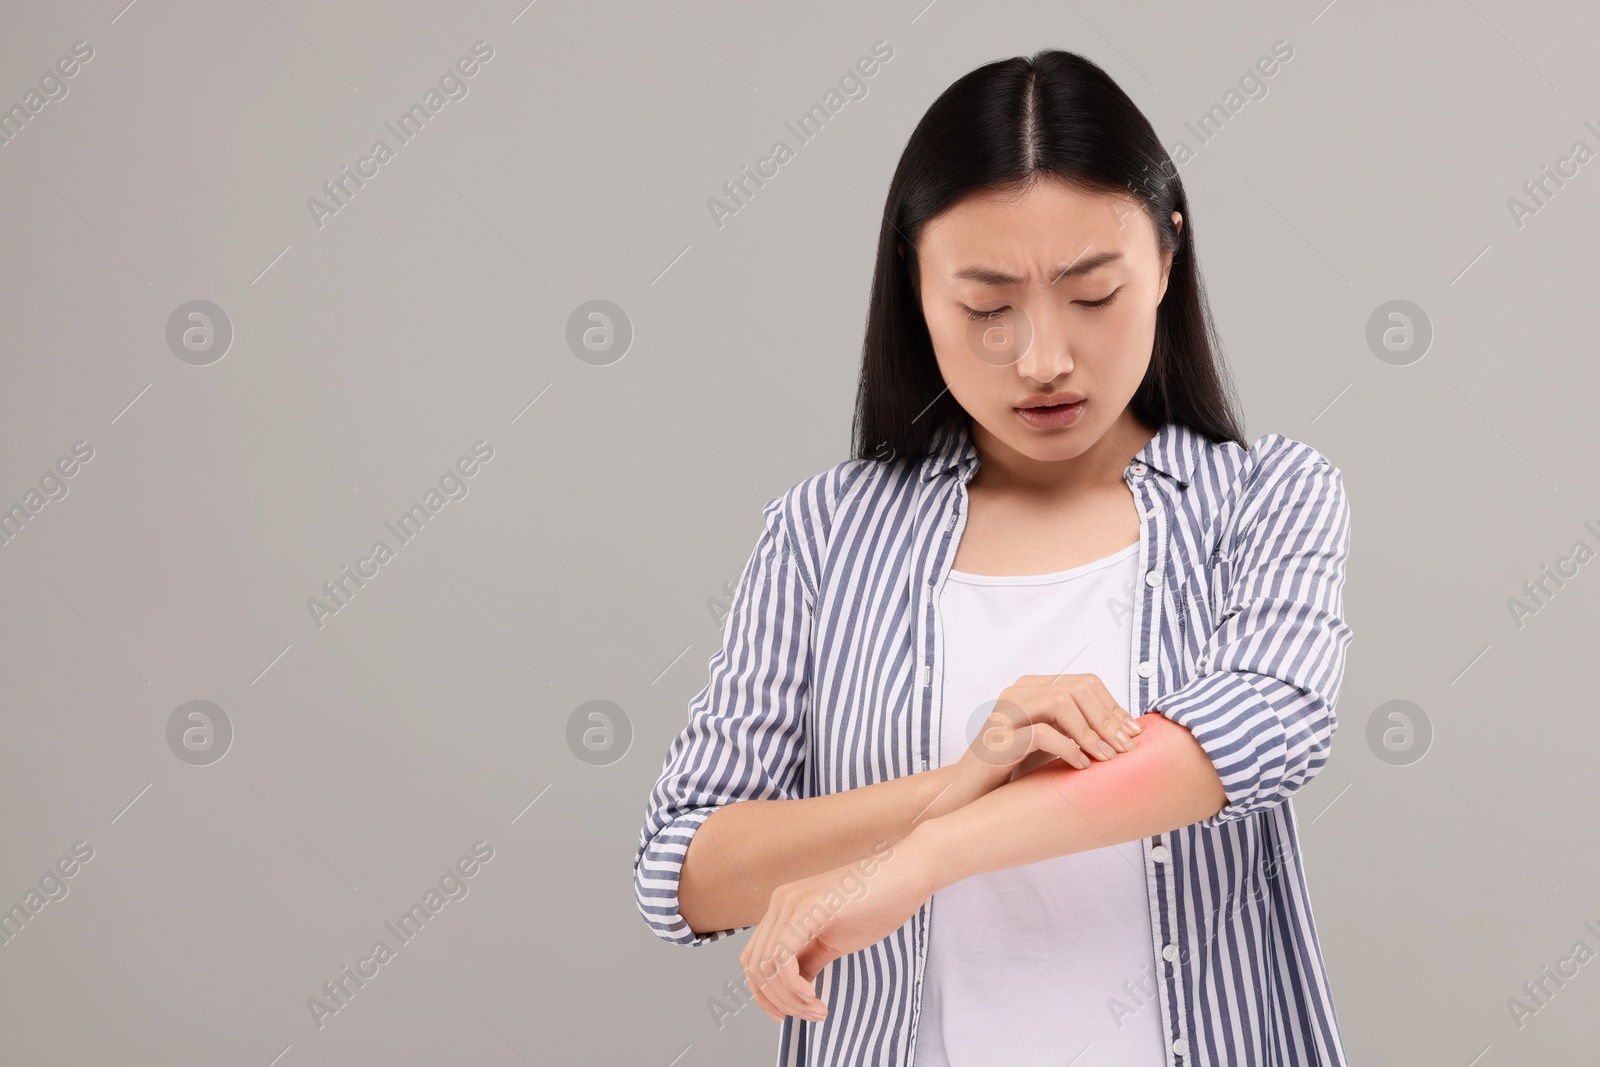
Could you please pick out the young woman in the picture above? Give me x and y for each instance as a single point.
(998, 750)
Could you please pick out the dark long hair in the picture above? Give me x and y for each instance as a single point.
(1008, 123)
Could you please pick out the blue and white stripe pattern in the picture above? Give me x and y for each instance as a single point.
(826, 681)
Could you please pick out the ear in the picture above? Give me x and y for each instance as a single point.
(1166, 265)
(901, 246)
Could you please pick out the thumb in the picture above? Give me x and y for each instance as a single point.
(816, 955)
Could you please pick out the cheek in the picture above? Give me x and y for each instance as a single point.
(1132, 342)
(960, 345)
(948, 334)
(967, 377)
(948, 330)
(1130, 322)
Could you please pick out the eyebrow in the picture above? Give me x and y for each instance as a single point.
(1082, 265)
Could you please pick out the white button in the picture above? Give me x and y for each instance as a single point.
(1169, 953)
(1180, 1047)
(1138, 470)
(1160, 853)
(1152, 579)
(1150, 514)
(1146, 669)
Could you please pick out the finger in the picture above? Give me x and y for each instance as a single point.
(1067, 714)
(747, 960)
(1049, 739)
(1108, 722)
(1100, 715)
(772, 951)
(1109, 717)
(812, 961)
(1119, 723)
(778, 987)
(758, 992)
(755, 953)
(1097, 703)
(763, 988)
(781, 987)
(1103, 715)
(804, 993)
(1033, 762)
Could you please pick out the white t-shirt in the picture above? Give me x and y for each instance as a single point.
(1024, 964)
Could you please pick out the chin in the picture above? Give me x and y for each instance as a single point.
(1059, 445)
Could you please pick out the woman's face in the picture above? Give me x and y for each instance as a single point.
(1053, 291)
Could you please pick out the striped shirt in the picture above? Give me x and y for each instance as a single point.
(827, 681)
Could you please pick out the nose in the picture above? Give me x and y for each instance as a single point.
(1048, 353)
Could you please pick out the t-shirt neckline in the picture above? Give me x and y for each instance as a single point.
(1044, 579)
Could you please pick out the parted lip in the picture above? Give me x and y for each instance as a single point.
(1046, 400)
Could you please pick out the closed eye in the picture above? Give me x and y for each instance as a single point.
(1105, 301)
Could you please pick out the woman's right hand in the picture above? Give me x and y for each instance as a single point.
(1044, 717)
(1035, 721)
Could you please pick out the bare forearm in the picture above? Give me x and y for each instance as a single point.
(1166, 782)
(747, 849)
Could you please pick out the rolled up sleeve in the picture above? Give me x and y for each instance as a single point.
(1262, 704)
(745, 736)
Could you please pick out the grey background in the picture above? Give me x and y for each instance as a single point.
(432, 711)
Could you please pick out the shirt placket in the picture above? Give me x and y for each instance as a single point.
(1142, 679)
(949, 506)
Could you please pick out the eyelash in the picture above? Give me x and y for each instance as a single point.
(979, 315)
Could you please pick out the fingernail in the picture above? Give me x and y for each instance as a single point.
(1133, 724)
(1106, 750)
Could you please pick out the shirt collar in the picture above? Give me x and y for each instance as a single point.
(1173, 451)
